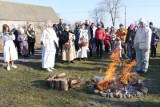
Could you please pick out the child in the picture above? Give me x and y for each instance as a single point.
(118, 45)
(10, 52)
(107, 40)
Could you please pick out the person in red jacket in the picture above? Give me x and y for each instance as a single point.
(99, 35)
(107, 40)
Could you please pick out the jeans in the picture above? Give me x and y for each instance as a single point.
(129, 47)
(142, 58)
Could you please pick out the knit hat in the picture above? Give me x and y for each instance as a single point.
(151, 23)
(120, 25)
(132, 26)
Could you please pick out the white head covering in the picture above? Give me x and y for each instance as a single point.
(48, 22)
(21, 30)
(66, 27)
(142, 20)
(15, 26)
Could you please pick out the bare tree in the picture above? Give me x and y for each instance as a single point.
(111, 7)
(98, 15)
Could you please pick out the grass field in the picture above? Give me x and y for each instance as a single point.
(26, 86)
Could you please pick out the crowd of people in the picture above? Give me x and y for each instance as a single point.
(82, 41)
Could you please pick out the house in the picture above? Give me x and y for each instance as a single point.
(23, 14)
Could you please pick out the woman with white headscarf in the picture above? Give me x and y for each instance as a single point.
(142, 44)
(68, 48)
(49, 42)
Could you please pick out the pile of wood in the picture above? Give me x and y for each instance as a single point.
(60, 82)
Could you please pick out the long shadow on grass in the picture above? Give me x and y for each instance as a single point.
(152, 77)
(41, 84)
(118, 103)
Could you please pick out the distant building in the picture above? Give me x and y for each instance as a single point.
(22, 14)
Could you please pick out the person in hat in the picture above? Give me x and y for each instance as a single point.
(130, 41)
(100, 36)
(68, 48)
(142, 44)
(154, 40)
(49, 42)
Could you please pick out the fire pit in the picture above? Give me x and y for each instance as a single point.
(125, 84)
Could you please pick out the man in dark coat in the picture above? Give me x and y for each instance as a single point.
(60, 28)
(16, 42)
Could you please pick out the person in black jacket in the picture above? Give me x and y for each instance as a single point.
(77, 34)
(31, 34)
(154, 39)
(16, 42)
(60, 28)
(130, 41)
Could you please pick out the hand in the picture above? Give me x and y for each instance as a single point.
(44, 47)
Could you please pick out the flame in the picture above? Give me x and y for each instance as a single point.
(111, 71)
(126, 72)
(111, 80)
(100, 71)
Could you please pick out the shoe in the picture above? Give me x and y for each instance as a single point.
(68, 62)
(72, 62)
(138, 71)
(84, 59)
(13, 66)
(52, 68)
(144, 72)
(8, 68)
(49, 70)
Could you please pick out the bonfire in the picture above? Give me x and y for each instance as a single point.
(124, 84)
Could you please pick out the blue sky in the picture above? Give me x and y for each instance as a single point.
(79, 10)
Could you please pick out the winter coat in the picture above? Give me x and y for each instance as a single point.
(143, 38)
(100, 34)
(130, 36)
(107, 40)
(122, 34)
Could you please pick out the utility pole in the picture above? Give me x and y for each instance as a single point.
(125, 17)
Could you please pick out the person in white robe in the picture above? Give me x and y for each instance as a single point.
(9, 50)
(82, 52)
(49, 42)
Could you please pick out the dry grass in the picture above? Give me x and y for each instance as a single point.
(26, 86)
